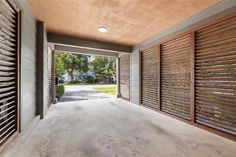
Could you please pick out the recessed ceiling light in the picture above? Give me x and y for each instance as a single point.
(102, 29)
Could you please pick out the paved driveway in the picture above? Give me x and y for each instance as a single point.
(84, 92)
(115, 128)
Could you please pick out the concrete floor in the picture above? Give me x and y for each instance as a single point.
(115, 128)
(84, 92)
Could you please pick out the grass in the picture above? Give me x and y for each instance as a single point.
(72, 84)
(108, 90)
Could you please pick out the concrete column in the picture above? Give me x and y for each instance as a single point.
(117, 77)
(42, 64)
(135, 77)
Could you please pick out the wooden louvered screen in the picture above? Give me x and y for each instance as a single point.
(50, 76)
(8, 71)
(175, 76)
(194, 76)
(125, 76)
(150, 77)
(216, 76)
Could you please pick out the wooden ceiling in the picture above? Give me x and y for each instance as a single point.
(129, 22)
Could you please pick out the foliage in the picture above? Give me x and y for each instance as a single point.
(108, 90)
(60, 89)
(59, 65)
(71, 63)
(73, 82)
(89, 80)
(104, 68)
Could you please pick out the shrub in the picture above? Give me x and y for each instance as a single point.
(89, 80)
(60, 89)
(73, 82)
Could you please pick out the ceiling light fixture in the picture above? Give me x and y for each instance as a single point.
(102, 29)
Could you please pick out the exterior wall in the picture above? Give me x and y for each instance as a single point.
(28, 64)
(135, 73)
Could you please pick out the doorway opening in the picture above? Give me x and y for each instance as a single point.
(84, 76)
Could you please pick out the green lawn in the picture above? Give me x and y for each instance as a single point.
(108, 90)
(77, 83)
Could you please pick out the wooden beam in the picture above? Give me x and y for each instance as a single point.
(87, 43)
(84, 51)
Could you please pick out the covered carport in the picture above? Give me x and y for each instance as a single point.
(176, 78)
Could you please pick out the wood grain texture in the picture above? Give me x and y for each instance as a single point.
(176, 76)
(216, 76)
(149, 77)
(125, 19)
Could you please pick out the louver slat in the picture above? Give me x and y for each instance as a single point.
(175, 76)
(50, 76)
(216, 76)
(8, 71)
(149, 77)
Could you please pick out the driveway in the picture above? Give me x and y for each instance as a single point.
(84, 92)
(115, 128)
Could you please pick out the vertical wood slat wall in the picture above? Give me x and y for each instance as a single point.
(197, 76)
(149, 77)
(9, 74)
(124, 81)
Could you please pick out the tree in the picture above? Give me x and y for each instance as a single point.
(104, 67)
(59, 65)
(73, 63)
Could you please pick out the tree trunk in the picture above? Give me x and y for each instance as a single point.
(71, 75)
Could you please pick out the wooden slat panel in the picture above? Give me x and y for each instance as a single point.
(7, 6)
(4, 68)
(6, 12)
(6, 47)
(6, 58)
(149, 77)
(216, 76)
(6, 99)
(6, 89)
(5, 36)
(175, 76)
(6, 20)
(7, 119)
(8, 71)
(3, 24)
(125, 76)
(50, 76)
